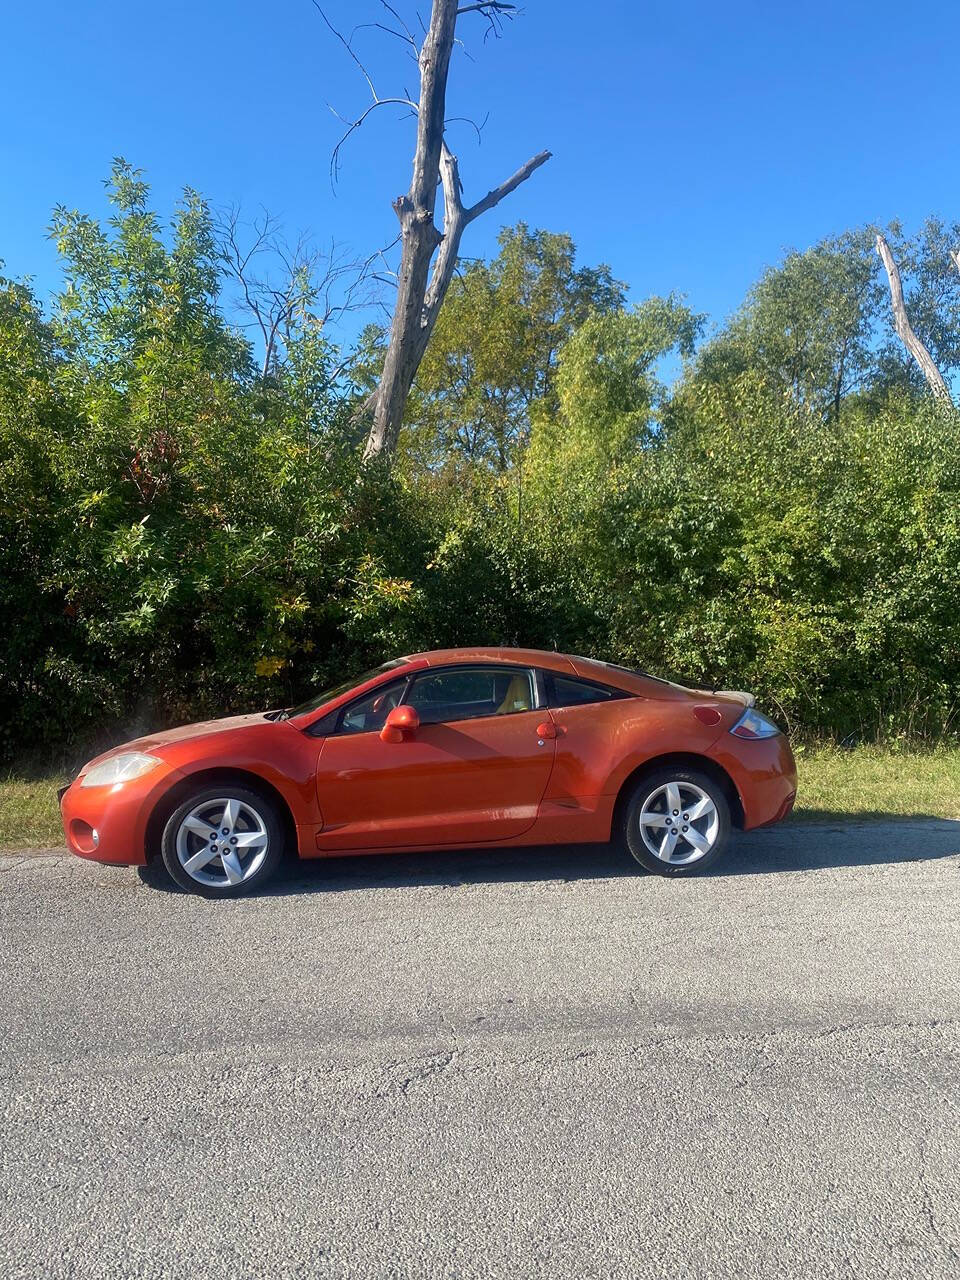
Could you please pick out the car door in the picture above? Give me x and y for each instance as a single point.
(474, 771)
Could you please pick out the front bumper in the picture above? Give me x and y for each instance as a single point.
(109, 824)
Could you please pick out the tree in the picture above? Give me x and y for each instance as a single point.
(807, 326)
(420, 289)
(493, 355)
(608, 392)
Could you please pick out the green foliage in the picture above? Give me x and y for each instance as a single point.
(182, 535)
(607, 390)
(176, 537)
(807, 325)
(493, 356)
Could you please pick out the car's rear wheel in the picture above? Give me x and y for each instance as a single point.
(676, 822)
(223, 841)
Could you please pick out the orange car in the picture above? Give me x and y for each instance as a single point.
(457, 748)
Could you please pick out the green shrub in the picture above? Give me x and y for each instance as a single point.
(182, 537)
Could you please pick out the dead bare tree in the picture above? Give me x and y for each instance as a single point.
(420, 289)
(283, 284)
(905, 331)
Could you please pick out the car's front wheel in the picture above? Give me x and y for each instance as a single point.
(676, 822)
(223, 841)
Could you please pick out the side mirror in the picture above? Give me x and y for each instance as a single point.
(400, 721)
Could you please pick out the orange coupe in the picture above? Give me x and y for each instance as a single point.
(452, 749)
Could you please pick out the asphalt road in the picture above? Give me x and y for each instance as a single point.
(490, 1064)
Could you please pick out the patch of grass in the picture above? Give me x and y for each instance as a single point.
(875, 782)
(867, 782)
(29, 815)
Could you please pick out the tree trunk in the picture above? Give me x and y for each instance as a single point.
(420, 295)
(904, 329)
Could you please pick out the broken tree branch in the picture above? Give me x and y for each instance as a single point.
(493, 198)
(904, 329)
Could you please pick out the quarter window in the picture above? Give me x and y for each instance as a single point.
(568, 692)
(464, 693)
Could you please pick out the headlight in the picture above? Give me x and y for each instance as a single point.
(753, 725)
(122, 768)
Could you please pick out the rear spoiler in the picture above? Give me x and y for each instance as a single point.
(748, 699)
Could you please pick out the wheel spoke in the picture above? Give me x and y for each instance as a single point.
(197, 826)
(699, 841)
(701, 809)
(673, 797)
(655, 819)
(199, 860)
(231, 865)
(248, 840)
(230, 813)
(668, 845)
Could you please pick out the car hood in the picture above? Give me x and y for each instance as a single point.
(167, 737)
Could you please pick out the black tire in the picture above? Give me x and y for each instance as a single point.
(651, 789)
(255, 816)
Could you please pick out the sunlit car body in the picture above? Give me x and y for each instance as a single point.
(455, 748)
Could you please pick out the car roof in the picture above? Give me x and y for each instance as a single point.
(498, 653)
(637, 683)
(569, 664)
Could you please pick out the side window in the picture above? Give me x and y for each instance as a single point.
(464, 693)
(570, 692)
(370, 712)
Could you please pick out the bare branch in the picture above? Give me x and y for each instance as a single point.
(353, 125)
(296, 284)
(477, 128)
(955, 257)
(493, 198)
(408, 34)
(412, 52)
(486, 7)
(904, 329)
(495, 12)
(346, 44)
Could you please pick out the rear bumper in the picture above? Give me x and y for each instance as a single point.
(765, 775)
(109, 824)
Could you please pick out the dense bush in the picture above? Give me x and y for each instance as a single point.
(182, 535)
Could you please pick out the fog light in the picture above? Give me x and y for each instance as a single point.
(83, 837)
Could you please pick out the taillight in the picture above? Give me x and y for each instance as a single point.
(753, 725)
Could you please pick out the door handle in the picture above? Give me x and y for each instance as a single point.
(546, 730)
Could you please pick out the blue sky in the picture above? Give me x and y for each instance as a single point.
(692, 142)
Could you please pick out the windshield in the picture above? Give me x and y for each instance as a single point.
(328, 695)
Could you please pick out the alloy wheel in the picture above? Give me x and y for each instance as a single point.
(679, 823)
(222, 842)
